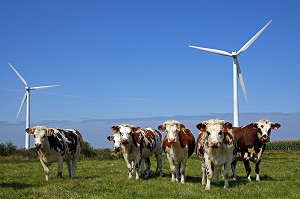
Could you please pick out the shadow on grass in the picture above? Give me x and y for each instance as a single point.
(15, 185)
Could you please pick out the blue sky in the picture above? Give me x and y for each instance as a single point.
(130, 59)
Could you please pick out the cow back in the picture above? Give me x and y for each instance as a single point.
(246, 137)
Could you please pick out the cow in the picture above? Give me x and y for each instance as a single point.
(57, 145)
(178, 144)
(214, 147)
(138, 145)
(251, 143)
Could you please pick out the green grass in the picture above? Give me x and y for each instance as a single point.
(280, 174)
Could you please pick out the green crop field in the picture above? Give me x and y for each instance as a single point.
(280, 174)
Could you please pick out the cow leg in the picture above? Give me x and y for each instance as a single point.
(248, 169)
(233, 168)
(172, 167)
(60, 166)
(209, 174)
(68, 162)
(148, 164)
(46, 170)
(73, 167)
(129, 166)
(226, 174)
(182, 171)
(177, 171)
(137, 168)
(217, 174)
(257, 169)
(159, 163)
(203, 173)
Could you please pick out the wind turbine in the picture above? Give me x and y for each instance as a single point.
(27, 96)
(236, 71)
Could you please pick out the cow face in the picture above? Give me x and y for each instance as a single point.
(125, 131)
(172, 129)
(264, 128)
(40, 134)
(214, 131)
(116, 139)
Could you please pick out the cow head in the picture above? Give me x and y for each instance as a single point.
(116, 139)
(172, 129)
(126, 132)
(214, 131)
(264, 128)
(40, 134)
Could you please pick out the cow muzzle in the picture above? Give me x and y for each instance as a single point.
(265, 138)
(172, 140)
(38, 146)
(117, 149)
(124, 142)
(215, 144)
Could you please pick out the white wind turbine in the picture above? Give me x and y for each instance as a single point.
(27, 96)
(236, 71)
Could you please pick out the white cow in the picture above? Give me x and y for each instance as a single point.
(57, 145)
(214, 147)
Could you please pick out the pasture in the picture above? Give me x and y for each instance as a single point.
(280, 174)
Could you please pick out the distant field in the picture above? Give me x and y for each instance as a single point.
(280, 174)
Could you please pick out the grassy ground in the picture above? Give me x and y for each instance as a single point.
(280, 174)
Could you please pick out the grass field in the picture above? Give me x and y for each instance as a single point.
(280, 174)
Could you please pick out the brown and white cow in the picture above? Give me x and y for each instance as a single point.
(214, 147)
(139, 144)
(178, 144)
(57, 145)
(251, 143)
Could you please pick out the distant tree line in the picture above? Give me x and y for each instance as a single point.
(10, 151)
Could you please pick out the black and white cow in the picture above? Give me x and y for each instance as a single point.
(57, 145)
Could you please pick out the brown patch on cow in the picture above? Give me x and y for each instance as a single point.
(186, 138)
(166, 144)
(200, 146)
(228, 138)
(136, 139)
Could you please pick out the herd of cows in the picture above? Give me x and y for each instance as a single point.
(219, 146)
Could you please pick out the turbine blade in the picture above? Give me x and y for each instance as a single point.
(22, 79)
(220, 52)
(22, 104)
(43, 87)
(239, 71)
(253, 39)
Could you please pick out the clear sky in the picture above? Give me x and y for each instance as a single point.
(130, 59)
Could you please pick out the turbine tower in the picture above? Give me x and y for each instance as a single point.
(237, 73)
(27, 96)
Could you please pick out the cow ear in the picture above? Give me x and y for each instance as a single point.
(136, 129)
(201, 127)
(110, 138)
(30, 131)
(227, 126)
(254, 125)
(161, 128)
(115, 129)
(181, 127)
(49, 132)
(275, 126)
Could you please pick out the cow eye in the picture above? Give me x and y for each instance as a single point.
(33, 136)
(208, 133)
(269, 131)
(259, 130)
(220, 133)
(121, 134)
(44, 136)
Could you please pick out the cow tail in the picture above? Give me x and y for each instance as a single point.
(80, 138)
